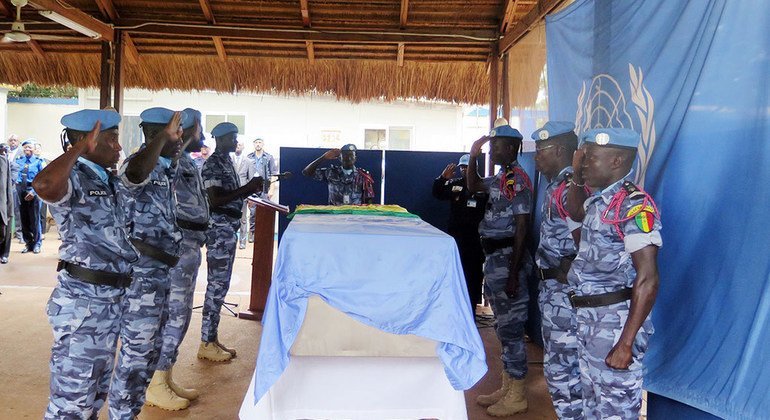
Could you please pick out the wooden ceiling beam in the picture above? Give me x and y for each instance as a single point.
(132, 54)
(525, 24)
(305, 13)
(310, 52)
(509, 14)
(400, 58)
(207, 11)
(104, 30)
(35, 47)
(404, 12)
(220, 46)
(108, 10)
(7, 9)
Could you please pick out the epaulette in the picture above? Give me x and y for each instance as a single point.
(633, 192)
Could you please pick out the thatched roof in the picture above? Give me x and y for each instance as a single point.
(357, 50)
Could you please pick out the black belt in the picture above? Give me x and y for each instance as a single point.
(185, 224)
(491, 245)
(227, 212)
(604, 299)
(557, 273)
(88, 275)
(155, 253)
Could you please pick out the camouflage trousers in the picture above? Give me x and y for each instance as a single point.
(144, 312)
(220, 255)
(180, 301)
(560, 355)
(85, 319)
(609, 393)
(510, 313)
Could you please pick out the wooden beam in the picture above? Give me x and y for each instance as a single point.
(508, 15)
(60, 7)
(310, 52)
(118, 72)
(305, 13)
(505, 85)
(401, 54)
(220, 48)
(35, 47)
(132, 54)
(105, 75)
(207, 12)
(7, 9)
(494, 85)
(523, 26)
(404, 12)
(205, 31)
(108, 9)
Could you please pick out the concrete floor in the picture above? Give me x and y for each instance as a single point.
(25, 340)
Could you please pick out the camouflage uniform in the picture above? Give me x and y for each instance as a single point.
(510, 313)
(85, 317)
(603, 264)
(344, 188)
(192, 206)
(561, 369)
(152, 220)
(221, 241)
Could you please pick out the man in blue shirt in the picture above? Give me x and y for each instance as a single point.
(29, 204)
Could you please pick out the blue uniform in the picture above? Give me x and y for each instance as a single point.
(604, 264)
(218, 171)
(510, 313)
(354, 187)
(560, 356)
(151, 210)
(192, 212)
(29, 211)
(85, 317)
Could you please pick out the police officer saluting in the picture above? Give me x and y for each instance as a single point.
(615, 273)
(347, 183)
(147, 196)
(226, 197)
(95, 262)
(465, 212)
(503, 231)
(193, 220)
(555, 144)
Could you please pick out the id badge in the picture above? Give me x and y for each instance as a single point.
(471, 203)
(346, 199)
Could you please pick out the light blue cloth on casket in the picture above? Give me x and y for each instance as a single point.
(400, 275)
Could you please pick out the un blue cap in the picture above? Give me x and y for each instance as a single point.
(350, 147)
(620, 137)
(223, 129)
(85, 119)
(464, 159)
(31, 141)
(505, 131)
(191, 116)
(159, 115)
(553, 129)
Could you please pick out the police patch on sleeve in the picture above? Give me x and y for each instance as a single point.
(644, 217)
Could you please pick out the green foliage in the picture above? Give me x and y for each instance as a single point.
(31, 90)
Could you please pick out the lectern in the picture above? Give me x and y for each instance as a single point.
(262, 258)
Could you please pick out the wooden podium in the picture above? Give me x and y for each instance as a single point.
(262, 258)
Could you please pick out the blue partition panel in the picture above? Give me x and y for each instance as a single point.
(304, 190)
(662, 408)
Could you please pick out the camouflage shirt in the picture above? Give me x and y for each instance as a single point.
(603, 263)
(555, 231)
(344, 188)
(498, 219)
(218, 171)
(91, 223)
(192, 201)
(151, 207)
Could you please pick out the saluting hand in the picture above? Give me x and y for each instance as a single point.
(89, 142)
(332, 154)
(449, 171)
(173, 130)
(476, 147)
(620, 357)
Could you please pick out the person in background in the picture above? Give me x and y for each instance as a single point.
(202, 156)
(6, 205)
(43, 206)
(29, 208)
(244, 167)
(264, 166)
(347, 183)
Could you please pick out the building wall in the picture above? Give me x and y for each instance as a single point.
(39, 121)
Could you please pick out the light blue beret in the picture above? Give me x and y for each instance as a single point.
(192, 116)
(464, 159)
(552, 129)
(223, 129)
(621, 137)
(505, 131)
(32, 141)
(350, 147)
(84, 120)
(160, 115)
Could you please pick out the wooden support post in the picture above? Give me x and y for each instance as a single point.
(105, 81)
(120, 51)
(494, 87)
(400, 58)
(505, 85)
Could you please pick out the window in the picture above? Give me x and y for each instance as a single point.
(131, 136)
(213, 119)
(374, 139)
(400, 138)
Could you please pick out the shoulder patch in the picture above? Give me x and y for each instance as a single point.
(644, 217)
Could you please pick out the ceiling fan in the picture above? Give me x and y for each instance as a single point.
(19, 34)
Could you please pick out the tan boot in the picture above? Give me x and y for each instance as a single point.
(161, 396)
(213, 352)
(487, 400)
(222, 346)
(183, 392)
(514, 401)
